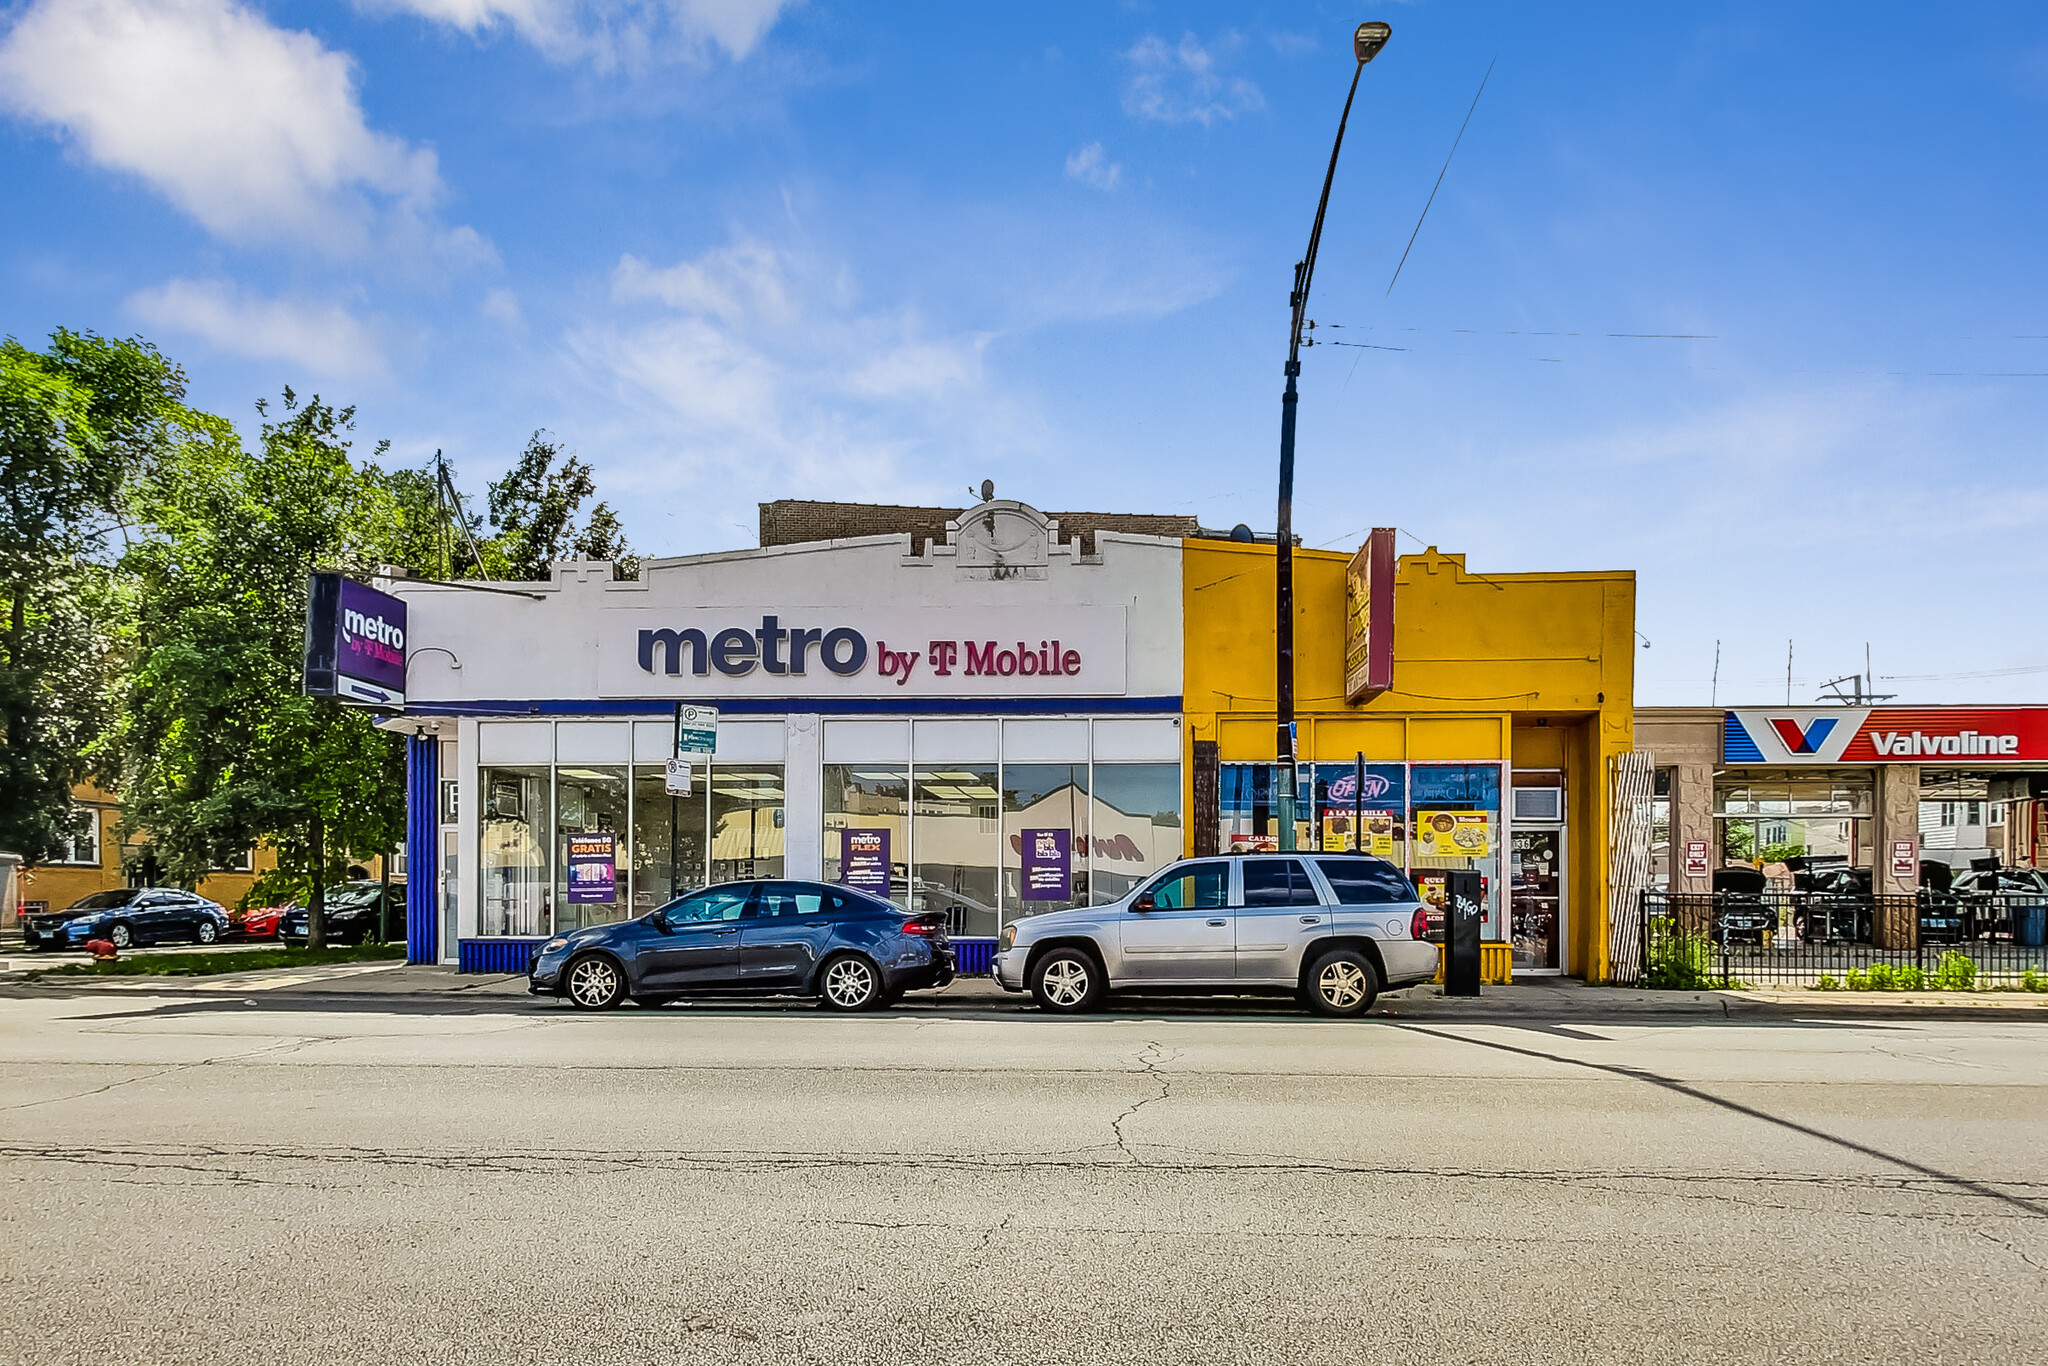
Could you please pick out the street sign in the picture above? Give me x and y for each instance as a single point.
(696, 729)
(676, 781)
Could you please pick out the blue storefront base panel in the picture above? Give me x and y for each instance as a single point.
(496, 955)
(974, 957)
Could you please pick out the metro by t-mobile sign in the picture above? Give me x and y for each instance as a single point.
(355, 643)
(838, 651)
(1884, 735)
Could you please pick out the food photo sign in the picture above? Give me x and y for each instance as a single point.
(1453, 834)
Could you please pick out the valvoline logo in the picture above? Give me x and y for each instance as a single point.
(1803, 739)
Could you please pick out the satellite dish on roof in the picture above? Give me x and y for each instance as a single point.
(988, 490)
(1241, 532)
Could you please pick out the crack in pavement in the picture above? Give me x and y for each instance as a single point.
(280, 1047)
(1149, 1057)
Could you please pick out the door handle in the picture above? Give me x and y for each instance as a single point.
(1311, 920)
(1219, 923)
(724, 932)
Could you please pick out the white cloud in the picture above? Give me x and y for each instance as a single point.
(759, 368)
(609, 33)
(1180, 83)
(322, 337)
(1092, 166)
(501, 306)
(253, 130)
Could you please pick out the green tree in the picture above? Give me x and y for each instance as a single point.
(219, 745)
(76, 423)
(533, 513)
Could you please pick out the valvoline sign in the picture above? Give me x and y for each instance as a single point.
(1885, 735)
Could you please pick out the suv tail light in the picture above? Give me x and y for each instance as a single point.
(1418, 924)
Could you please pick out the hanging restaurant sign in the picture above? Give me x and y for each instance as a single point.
(1369, 617)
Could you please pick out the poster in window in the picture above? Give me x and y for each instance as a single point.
(1048, 865)
(864, 860)
(1379, 832)
(593, 868)
(1452, 834)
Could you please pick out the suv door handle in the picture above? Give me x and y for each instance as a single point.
(1219, 923)
(1311, 920)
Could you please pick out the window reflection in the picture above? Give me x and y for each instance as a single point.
(956, 810)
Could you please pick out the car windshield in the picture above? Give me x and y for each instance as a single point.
(103, 901)
(345, 897)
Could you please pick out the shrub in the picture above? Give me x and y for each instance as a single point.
(1955, 972)
(1910, 979)
(1828, 982)
(2031, 980)
(1883, 978)
(1859, 980)
(1678, 961)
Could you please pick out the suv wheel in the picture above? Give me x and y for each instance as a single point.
(1067, 981)
(849, 982)
(596, 983)
(1342, 984)
(208, 932)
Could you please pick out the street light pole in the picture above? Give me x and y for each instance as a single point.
(1366, 42)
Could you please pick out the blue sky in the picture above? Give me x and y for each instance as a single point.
(734, 250)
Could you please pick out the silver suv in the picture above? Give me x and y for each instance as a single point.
(1334, 929)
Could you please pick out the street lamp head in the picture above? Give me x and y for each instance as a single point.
(1372, 35)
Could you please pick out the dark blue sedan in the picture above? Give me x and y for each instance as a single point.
(850, 950)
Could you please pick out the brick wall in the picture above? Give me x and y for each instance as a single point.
(792, 521)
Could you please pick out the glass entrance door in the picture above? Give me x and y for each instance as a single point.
(1538, 887)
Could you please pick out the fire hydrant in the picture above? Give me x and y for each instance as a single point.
(102, 950)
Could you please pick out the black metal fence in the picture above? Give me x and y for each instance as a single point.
(1933, 941)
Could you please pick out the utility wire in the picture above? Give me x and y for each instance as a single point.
(1440, 176)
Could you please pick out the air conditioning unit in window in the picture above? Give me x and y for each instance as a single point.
(1539, 804)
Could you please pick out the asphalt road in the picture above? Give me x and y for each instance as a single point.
(296, 1179)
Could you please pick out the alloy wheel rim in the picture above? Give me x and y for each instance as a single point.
(206, 934)
(1066, 982)
(849, 982)
(1342, 985)
(593, 983)
(120, 936)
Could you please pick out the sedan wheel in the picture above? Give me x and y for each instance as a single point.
(850, 982)
(1067, 981)
(208, 932)
(596, 984)
(1342, 984)
(121, 936)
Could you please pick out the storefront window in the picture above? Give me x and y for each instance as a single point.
(514, 851)
(589, 800)
(668, 853)
(746, 821)
(1331, 798)
(1248, 814)
(869, 798)
(1135, 827)
(1038, 798)
(1455, 820)
(955, 842)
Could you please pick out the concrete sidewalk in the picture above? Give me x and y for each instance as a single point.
(429, 988)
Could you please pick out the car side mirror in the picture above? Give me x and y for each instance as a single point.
(1144, 902)
(661, 923)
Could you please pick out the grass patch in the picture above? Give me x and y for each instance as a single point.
(211, 964)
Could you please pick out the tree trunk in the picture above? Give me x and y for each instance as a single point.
(316, 904)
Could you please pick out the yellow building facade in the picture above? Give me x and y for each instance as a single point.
(102, 862)
(1512, 695)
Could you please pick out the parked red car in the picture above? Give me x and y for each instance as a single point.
(258, 922)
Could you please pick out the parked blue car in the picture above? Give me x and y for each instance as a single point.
(850, 950)
(128, 916)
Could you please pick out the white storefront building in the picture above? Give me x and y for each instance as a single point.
(952, 694)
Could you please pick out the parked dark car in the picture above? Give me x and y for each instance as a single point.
(851, 950)
(1943, 917)
(1833, 901)
(129, 916)
(355, 913)
(1989, 896)
(1743, 911)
